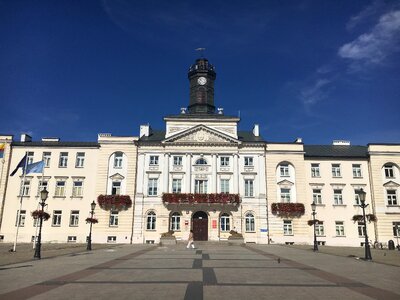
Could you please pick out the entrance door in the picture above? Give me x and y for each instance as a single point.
(200, 226)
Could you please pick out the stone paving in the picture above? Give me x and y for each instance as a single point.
(212, 271)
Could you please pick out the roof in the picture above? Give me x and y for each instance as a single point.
(202, 116)
(336, 151)
(56, 144)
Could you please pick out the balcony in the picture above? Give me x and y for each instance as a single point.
(228, 199)
(288, 210)
(114, 202)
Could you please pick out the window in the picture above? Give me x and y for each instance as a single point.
(339, 228)
(285, 195)
(224, 186)
(42, 185)
(201, 161)
(56, 218)
(116, 188)
(287, 227)
(225, 222)
(153, 160)
(248, 187)
(46, 158)
(118, 160)
(224, 161)
(317, 196)
(177, 160)
(396, 229)
(176, 221)
(63, 160)
(319, 228)
(337, 197)
(152, 190)
(111, 239)
(25, 188)
(60, 188)
(315, 170)
(389, 171)
(250, 225)
(20, 218)
(248, 161)
(357, 171)
(356, 198)
(29, 158)
(361, 229)
(176, 185)
(284, 170)
(391, 197)
(71, 239)
(114, 218)
(77, 190)
(335, 170)
(74, 218)
(200, 186)
(151, 221)
(80, 159)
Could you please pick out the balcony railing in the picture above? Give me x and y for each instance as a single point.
(175, 198)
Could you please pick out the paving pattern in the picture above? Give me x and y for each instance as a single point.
(212, 271)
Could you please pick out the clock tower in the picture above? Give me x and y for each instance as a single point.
(201, 77)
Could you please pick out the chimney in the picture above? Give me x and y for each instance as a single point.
(145, 130)
(256, 130)
(299, 140)
(26, 138)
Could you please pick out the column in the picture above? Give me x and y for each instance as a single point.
(236, 174)
(188, 175)
(214, 173)
(165, 175)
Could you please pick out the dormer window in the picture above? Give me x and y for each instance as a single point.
(201, 161)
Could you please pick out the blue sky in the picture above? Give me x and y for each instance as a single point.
(320, 70)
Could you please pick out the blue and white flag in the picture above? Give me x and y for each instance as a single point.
(36, 167)
(20, 165)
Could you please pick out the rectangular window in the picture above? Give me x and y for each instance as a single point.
(177, 160)
(389, 172)
(118, 160)
(26, 187)
(176, 185)
(391, 197)
(319, 229)
(200, 186)
(356, 198)
(284, 170)
(77, 190)
(336, 170)
(396, 229)
(46, 158)
(361, 229)
(224, 186)
(224, 160)
(74, 218)
(315, 170)
(63, 160)
(80, 160)
(111, 239)
(42, 185)
(285, 195)
(71, 239)
(317, 196)
(116, 188)
(56, 218)
(60, 188)
(225, 222)
(287, 227)
(114, 218)
(21, 217)
(248, 161)
(249, 188)
(339, 228)
(152, 188)
(357, 171)
(29, 158)
(153, 160)
(337, 197)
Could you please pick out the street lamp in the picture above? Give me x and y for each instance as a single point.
(313, 208)
(43, 196)
(361, 195)
(397, 236)
(89, 244)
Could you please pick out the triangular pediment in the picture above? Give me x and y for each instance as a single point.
(391, 184)
(201, 134)
(117, 176)
(285, 183)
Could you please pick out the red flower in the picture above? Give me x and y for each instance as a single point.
(114, 202)
(92, 220)
(39, 213)
(222, 198)
(288, 210)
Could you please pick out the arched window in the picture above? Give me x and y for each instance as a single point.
(201, 161)
(250, 227)
(151, 221)
(225, 222)
(175, 221)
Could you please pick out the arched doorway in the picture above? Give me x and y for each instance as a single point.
(200, 226)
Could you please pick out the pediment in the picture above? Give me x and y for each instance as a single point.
(391, 184)
(201, 134)
(117, 176)
(285, 183)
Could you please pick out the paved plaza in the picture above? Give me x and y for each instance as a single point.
(211, 271)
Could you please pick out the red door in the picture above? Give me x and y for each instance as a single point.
(200, 226)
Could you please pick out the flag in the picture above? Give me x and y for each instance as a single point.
(2, 146)
(20, 165)
(36, 167)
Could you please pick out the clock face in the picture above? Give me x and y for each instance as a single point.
(202, 80)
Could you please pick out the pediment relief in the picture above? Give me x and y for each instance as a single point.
(201, 134)
(391, 184)
(117, 176)
(285, 183)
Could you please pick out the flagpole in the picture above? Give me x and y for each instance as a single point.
(20, 202)
(41, 188)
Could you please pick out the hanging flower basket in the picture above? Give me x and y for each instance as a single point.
(186, 198)
(311, 222)
(39, 213)
(359, 218)
(92, 220)
(114, 202)
(288, 210)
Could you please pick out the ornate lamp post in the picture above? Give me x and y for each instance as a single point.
(89, 243)
(313, 208)
(362, 194)
(43, 196)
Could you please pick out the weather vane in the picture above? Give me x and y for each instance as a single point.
(201, 50)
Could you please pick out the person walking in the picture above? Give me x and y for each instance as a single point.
(190, 240)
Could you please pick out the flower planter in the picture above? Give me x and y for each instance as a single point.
(288, 210)
(114, 202)
(38, 213)
(186, 198)
(92, 220)
(168, 240)
(359, 218)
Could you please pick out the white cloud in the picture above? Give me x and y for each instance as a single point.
(369, 11)
(315, 93)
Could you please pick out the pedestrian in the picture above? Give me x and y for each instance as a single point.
(190, 240)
